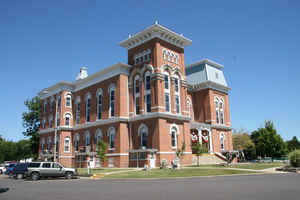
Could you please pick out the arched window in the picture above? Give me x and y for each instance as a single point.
(137, 94)
(44, 123)
(112, 94)
(76, 141)
(43, 144)
(77, 110)
(111, 135)
(167, 91)
(67, 144)
(51, 121)
(174, 137)
(143, 133)
(99, 103)
(147, 82)
(67, 119)
(177, 93)
(58, 101)
(58, 119)
(51, 104)
(98, 135)
(49, 143)
(88, 108)
(87, 139)
(68, 100)
(219, 103)
(222, 141)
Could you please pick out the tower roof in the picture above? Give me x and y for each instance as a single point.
(156, 31)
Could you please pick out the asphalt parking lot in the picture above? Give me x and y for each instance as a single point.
(268, 186)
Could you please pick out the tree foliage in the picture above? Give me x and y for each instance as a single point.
(267, 142)
(101, 150)
(198, 149)
(293, 144)
(31, 123)
(241, 141)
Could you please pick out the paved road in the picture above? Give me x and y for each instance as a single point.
(269, 186)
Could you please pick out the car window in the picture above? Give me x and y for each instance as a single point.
(46, 165)
(55, 165)
(34, 165)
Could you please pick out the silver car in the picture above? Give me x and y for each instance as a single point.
(36, 170)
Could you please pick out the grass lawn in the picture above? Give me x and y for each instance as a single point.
(254, 166)
(169, 173)
(83, 171)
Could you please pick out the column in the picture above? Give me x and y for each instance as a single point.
(210, 142)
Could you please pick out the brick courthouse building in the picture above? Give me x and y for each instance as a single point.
(145, 110)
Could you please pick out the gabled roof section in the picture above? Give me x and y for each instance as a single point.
(156, 31)
(206, 71)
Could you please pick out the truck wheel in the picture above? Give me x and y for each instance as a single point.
(35, 176)
(19, 176)
(69, 175)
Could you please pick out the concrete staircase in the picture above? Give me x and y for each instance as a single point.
(208, 159)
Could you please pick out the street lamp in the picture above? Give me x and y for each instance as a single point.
(55, 128)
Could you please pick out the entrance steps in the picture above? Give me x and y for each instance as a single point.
(208, 159)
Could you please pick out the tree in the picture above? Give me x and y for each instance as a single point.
(293, 144)
(242, 142)
(267, 142)
(199, 150)
(101, 150)
(31, 122)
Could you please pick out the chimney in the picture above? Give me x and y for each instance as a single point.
(82, 74)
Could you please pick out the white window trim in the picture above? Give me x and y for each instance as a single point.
(66, 96)
(98, 135)
(177, 93)
(167, 91)
(69, 146)
(147, 91)
(88, 97)
(137, 94)
(222, 141)
(143, 128)
(87, 137)
(112, 87)
(176, 128)
(99, 92)
(68, 114)
(111, 131)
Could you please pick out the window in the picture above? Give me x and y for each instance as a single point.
(167, 102)
(57, 143)
(222, 141)
(177, 104)
(111, 134)
(67, 144)
(219, 110)
(112, 100)
(52, 104)
(174, 137)
(49, 143)
(67, 119)
(50, 122)
(44, 123)
(46, 165)
(77, 112)
(148, 92)
(68, 100)
(142, 56)
(99, 106)
(45, 106)
(87, 139)
(76, 142)
(137, 94)
(189, 107)
(58, 119)
(143, 133)
(56, 165)
(59, 102)
(88, 108)
(98, 135)
(34, 165)
(166, 79)
(177, 93)
(43, 144)
(170, 56)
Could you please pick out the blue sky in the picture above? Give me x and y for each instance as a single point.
(258, 42)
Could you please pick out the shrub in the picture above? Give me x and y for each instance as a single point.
(295, 158)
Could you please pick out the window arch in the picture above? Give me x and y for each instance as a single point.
(99, 103)
(222, 141)
(67, 144)
(111, 134)
(167, 91)
(87, 138)
(88, 107)
(68, 100)
(68, 117)
(98, 135)
(136, 84)
(147, 88)
(219, 104)
(174, 131)
(143, 133)
(76, 141)
(112, 96)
